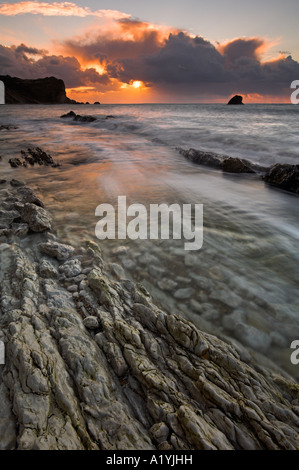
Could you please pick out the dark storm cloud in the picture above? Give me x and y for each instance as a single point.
(15, 62)
(181, 60)
(194, 65)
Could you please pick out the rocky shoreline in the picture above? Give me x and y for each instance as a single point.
(93, 363)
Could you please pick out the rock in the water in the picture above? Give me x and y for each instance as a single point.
(254, 338)
(78, 117)
(56, 250)
(203, 158)
(15, 162)
(184, 293)
(284, 176)
(70, 114)
(38, 156)
(237, 99)
(38, 219)
(235, 165)
(17, 183)
(85, 118)
(222, 162)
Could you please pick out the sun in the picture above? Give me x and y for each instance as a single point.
(137, 84)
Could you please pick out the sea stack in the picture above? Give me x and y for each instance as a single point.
(237, 99)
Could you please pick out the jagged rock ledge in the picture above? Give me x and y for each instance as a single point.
(282, 176)
(93, 363)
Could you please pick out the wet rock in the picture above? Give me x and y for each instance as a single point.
(254, 338)
(231, 321)
(167, 284)
(222, 162)
(91, 323)
(7, 127)
(20, 230)
(70, 114)
(146, 379)
(77, 117)
(237, 99)
(235, 165)
(17, 183)
(15, 162)
(85, 118)
(38, 156)
(38, 219)
(203, 158)
(27, 195)
(71, 268)
(47, 269)
(227, 297)
(56, 250)
(160, 432)
(284, 177)
(184, 293)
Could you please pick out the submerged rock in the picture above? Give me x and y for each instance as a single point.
(237, 99)
(284, 176)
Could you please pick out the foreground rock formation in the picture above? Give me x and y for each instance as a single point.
(285, 176)
(222, 162)
(49, 90)
(93, 363)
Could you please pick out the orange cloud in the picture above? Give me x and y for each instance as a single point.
(56, 9)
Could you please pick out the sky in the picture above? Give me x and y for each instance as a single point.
(171, 51)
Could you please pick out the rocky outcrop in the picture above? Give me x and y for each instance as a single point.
(237, 99)
(33, 156)
(222, 162)
(49, 90)
(93, 363)
(77, 117)
(284, 177)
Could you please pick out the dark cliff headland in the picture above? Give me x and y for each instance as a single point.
(49, 90)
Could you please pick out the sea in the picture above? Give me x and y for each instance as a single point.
(242, 285)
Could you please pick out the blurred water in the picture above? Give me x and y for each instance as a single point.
(244, 282)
